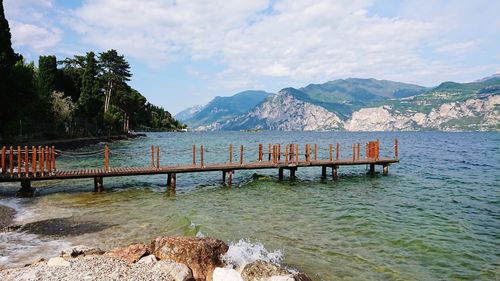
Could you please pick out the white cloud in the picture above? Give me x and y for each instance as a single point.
(31, 24)
(459, 48)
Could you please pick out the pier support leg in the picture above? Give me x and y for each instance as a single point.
(26, 190)
(292, 173)
(171, 180)
(323, 172)
(280, 174)
(372, 169)
(385, 169)
(98, 187)
(334, 173)
(224, 177)
(230, 178)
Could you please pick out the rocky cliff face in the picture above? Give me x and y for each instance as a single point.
(481, 114)
(284, 112)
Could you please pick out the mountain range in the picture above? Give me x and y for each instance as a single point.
(356, 104)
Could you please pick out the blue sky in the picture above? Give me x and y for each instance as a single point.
(184, 53)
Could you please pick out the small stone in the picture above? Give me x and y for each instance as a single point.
(148, 259)
(81, 250)
(226, 274)
(58, 261)
(130, 254)
(178, 271)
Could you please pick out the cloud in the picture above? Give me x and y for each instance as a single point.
(459, 48)
(32, 25)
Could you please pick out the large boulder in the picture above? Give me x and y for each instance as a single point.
(226, 274)
(130, 254)
(266, 271)
(201, 254)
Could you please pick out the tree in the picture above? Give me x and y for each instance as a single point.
(115, 71)
(63, 109)
(8, 59)
(90, 101)
(69, 77)
(47, 73)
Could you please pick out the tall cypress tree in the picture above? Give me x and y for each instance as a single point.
(47, 72)
(7, 60)
(90, 101)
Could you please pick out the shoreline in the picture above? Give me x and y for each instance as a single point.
(171, 258)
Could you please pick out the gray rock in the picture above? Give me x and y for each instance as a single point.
(58, 261)
(266, 271)
(178, 271)
(148, 259)
(80, 250)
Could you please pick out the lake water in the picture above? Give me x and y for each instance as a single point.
(435, 217)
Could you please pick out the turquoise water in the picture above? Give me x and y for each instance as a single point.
(435, 217)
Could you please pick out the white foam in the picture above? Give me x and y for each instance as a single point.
(244, 252)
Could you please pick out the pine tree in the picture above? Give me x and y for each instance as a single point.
(115, 71)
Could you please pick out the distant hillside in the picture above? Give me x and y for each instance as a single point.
(188, 113)
(224, 108)
(365, 105)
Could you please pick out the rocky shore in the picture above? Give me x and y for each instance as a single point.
(165, 258)
(6, 216)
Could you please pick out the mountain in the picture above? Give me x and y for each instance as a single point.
(188, 113)
(284, 112)
(224, 108)
(370, 105)
(346, 95)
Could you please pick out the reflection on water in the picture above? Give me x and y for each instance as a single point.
(434, 217)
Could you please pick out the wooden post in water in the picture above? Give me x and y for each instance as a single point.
(260, 152)
(241, 154)
(280, 174)
(157, 157)
(229, 178)
(223, 177)
(395, 148)
(33, 160)
(18, 161)
(323, 172)
(106, 159)
(152, 156)
(194, 155)
(3, 160)
(292, 173)
(26, 163)
(98, 187)
(331, 152)
(11, 161)
(230, 153)
(334, 172)
(337, 150)
(385, 170)
(202, 162)
(171, 180)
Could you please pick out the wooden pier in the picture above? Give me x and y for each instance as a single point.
(25, 164)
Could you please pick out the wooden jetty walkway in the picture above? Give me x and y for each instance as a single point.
(24, 164)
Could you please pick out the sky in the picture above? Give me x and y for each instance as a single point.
(186, 52)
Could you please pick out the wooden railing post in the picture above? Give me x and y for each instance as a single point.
(53, 159)
(260, 152)
(286, 154)
(358, 152)
(47, 160)
(3, 160)
(269, 152)
(18, 161)
(353, 152)
(194, 155)
(201, 157)
(337, 151)
(157, 157)
(396, 148)
(279, 152)
(378, 150)
(26, 163)
(297, 153)
(11, 161)
(33, 160)
(230, 153)
(40, 159)
(241, 154)
(315, 152)
(331, 152)
(106, 158)
(152, 156)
